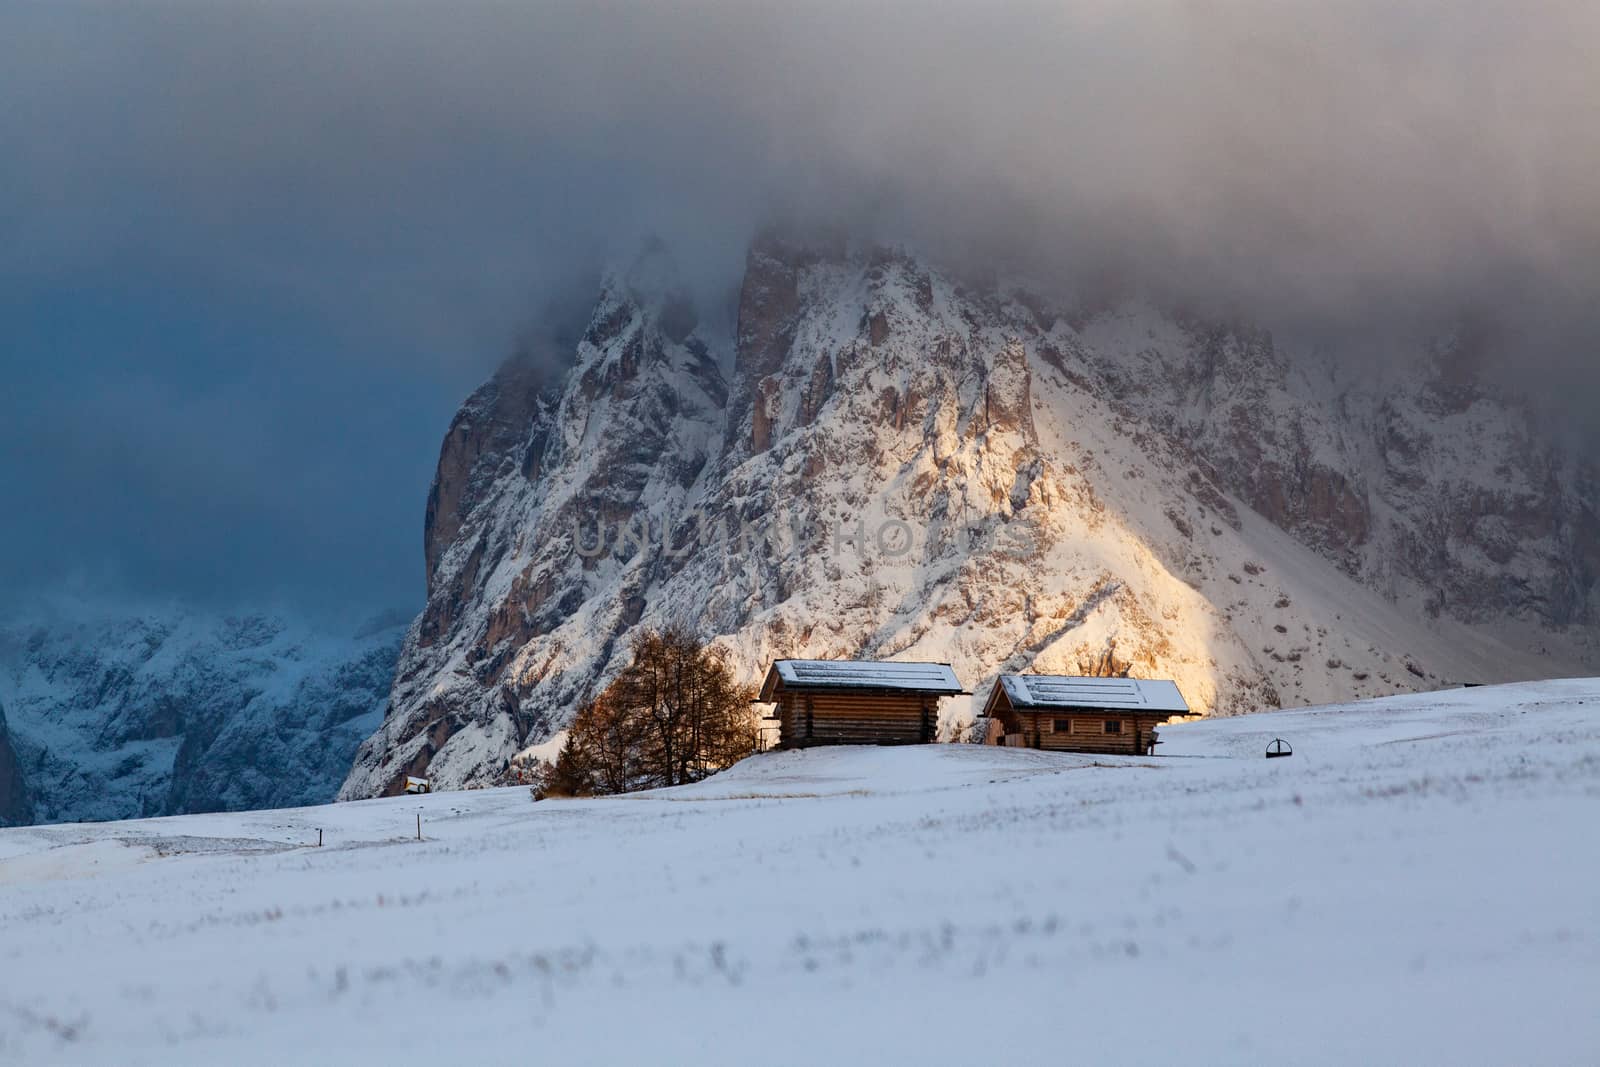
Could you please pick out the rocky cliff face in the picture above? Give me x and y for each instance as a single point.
(121, 715)
(883, 460)
(1419, 482)
(14, 807)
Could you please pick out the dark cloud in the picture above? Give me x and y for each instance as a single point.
(253, 254)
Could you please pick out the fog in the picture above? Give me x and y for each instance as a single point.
(253, 255)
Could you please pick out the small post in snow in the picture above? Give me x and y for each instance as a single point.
(419, 826)
(319, 837)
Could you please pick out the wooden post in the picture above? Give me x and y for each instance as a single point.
(319, 837)
(419, 826)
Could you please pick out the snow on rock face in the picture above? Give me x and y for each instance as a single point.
(528, 585)
(900, 465)
(112, 715)
(1419, 482)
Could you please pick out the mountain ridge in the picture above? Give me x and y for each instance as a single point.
(895, 462)
(118, 711)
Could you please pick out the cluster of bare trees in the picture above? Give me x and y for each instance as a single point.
(674, 715)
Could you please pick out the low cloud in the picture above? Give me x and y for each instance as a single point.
(412, 183)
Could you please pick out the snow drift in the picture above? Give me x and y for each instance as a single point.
(1411, 886)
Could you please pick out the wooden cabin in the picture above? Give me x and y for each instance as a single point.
(856, 702)
(1067, 714)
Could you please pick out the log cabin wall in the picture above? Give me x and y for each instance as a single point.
(1086, 731)
(856, 717)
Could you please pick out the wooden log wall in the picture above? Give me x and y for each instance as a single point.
(856, 718)
(1087, 732)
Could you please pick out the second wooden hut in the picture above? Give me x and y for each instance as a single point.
(1080, 714)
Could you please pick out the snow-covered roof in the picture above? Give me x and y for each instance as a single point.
(861, 674)
(1065, 691)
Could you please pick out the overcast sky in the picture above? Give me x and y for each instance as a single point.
(253, 255)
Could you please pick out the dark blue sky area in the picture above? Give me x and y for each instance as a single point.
(173, 435)
(252, 259)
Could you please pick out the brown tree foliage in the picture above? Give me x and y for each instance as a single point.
(674, 715)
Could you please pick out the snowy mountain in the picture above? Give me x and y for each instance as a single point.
(110, 715)
(885, 459)
(1418, 865)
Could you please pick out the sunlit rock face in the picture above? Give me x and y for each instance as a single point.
(881, 459)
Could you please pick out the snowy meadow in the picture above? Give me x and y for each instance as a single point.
(1416, 884)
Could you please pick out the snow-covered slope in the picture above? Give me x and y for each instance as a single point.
(888, 461)
(1415, 885)
(111, 714)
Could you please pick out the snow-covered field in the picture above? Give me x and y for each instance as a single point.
(1420, 882)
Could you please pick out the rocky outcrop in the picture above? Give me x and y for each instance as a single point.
(113, 715)
(571, 534)
(1418, 482)
(14, 807)
(883, 461)
(487, 439)
(1488, 519)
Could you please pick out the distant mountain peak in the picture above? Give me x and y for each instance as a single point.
(120, 711)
